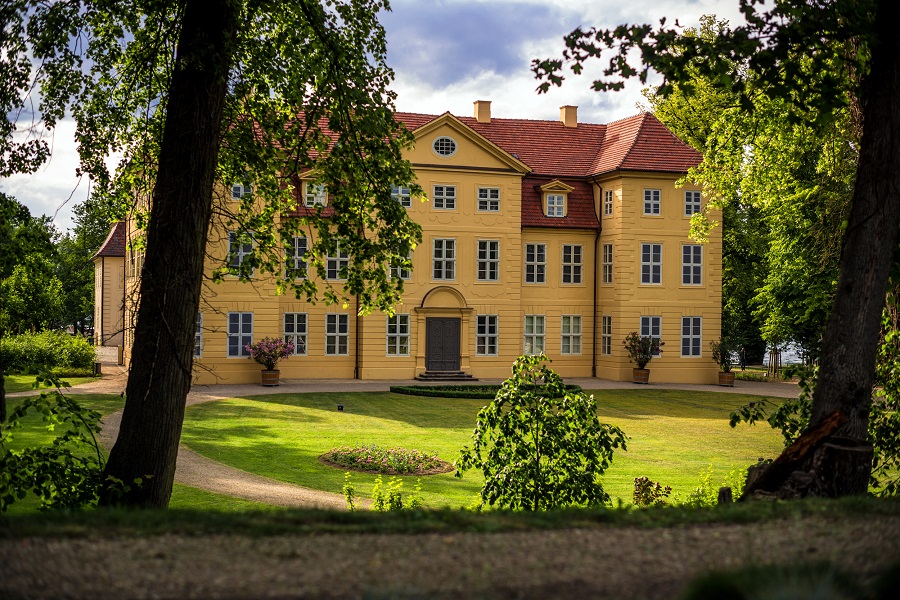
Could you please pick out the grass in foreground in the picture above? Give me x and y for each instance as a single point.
(23, 383)
(675, 435)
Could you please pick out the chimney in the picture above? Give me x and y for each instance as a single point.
(569, 115)
(483, 111)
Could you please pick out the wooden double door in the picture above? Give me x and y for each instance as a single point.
(442, 344)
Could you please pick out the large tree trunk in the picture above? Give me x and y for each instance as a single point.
(162, 356)
(850, 339)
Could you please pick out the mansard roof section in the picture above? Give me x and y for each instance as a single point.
(643, 143)
(114, 244)
(580, 212)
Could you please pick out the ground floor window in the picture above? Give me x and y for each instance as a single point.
(398, 335)
(691, 328)
(652, 327)
(606, 336)
(337, 334)
(534, 334)
(240, 333)
(486, 335)
(571, 334)
(198, 336)
(295, 331)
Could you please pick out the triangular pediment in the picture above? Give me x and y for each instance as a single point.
(473, 149)
(556, 186)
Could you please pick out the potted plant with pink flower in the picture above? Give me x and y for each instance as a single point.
(267, 352)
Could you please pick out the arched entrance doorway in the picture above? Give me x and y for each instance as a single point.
(444, 324)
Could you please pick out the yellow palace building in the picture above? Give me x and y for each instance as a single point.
(538, 236)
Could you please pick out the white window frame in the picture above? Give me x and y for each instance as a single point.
(295, 262)
(240, 191)
(651, 326)
(652, 202)
(488, 260)
(402, 195)
(606, 335)
(315, 194)
(444, 146)
(572, 257)
(608, 203)
(335, 262)
(397, 335)
(488, 199)
(555, 205)
(692, 202)
(536, 266)
(443, 261)
(691, 264)
(444, 197)
(337, 331)
(535, 334)
(486, 335)
(570, 334)
(692, 336)
(238, 253)
(651, 264)
(606, 272)
(198, 337)
(399, 272)
(238, 324)
(296, 330)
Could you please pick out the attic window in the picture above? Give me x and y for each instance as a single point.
(444, 146)
(555, 205)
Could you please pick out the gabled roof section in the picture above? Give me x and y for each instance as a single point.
(579, 204)
(643, 143)
(472, 136)
(114, 245)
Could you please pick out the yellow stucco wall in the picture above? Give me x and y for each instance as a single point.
(109, 293)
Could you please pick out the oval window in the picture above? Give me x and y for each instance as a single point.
(444, 146)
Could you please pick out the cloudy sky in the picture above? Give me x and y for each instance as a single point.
(447, 54)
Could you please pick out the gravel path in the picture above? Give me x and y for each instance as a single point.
(198, 471)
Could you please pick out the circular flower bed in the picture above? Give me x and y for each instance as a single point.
(391, 461)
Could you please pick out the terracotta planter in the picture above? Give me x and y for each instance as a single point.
(726, 379)
(640, 375)
(270, 378)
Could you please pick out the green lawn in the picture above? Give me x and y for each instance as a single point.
(22, 383)
(675, 435)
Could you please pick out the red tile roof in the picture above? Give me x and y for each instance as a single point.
(114, 245)
(642, 143)
(579, 205)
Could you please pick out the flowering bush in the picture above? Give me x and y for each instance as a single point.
(641, 349)
(268, 351)
(383, 460)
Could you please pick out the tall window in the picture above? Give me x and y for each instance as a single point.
(398, 271)
(535, 263)
(607, 273)
(240, 245)
(571, 264)
(336, 263)
(198, 336)
(692, 264)
(486, 335)
(398, 335)
(606, 336)
(690, 336)
(571, 334)
(337, 334)
(295, 331)
(240, 333)
(445, 196)
(401, 195)
(608, 203)
(241, 190)
(691, 203)
(534, 334)
(316, 195)
(489, 199)
(295, 262)
(556, 205)
(651, 263)
(444, 261)
(651, 202)
(652, 327)
(488, 260)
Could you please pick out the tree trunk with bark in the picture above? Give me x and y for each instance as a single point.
(162, 355)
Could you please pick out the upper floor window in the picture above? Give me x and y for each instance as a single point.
(571, 263)
(555, 205)
(444, 146)
(336, 263)
(692, 264)
(489, 199)
(535, 263)
(488, 260)
(295, 261)
(401, 194)
(240, 246)
(651, 202)
(445, 197)
(651, 263)
(241, 190)
(444, 259)
(608, 203)
(316, 195)
(607, 273)
(691, 203)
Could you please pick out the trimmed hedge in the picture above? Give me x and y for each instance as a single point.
(474, 392)
(55, 349)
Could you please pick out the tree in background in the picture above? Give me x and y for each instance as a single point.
(198, 91)
(818, 58)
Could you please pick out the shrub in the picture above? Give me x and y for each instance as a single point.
(376, 459)
(54, 349)
(475, 392)
(649, 493)
(641, 349)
